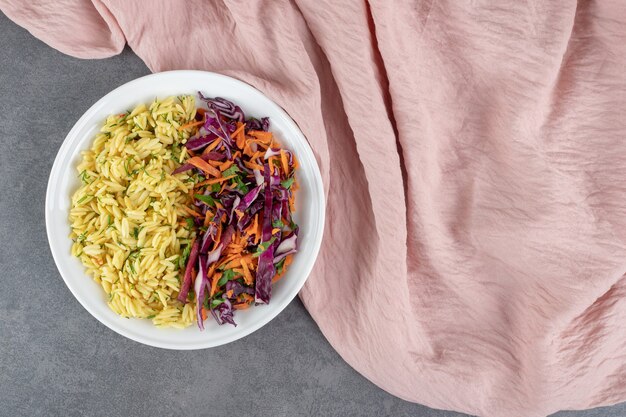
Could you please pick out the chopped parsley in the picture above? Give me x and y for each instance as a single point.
(287, 183)
(263, 247)
(84, 177)
(226, 276)
(234, 169)
(206, 199)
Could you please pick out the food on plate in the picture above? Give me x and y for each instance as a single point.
(185, 211)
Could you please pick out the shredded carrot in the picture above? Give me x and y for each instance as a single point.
(204, 166)
(246, 148)
(252, 165)
(239, 136)
(247, 276)
(215, 164)
(216, 277)
(207, 218)
(275, 230)
(238, 130)
(291, 203)
(235, 262)
(272, 165)
(226, 260)
(218, 236)
(265, 137)
(204, 315)
(259, 142)
(288, 260)
(284, 161)
(225, 165)
(191, 211)
(191, 124)
(241, 306)
(214, 181)
(233, 249)
(251, 230)
(212, 146)
(277, 277)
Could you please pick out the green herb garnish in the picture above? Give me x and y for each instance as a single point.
(263, 247)
(85, 199)
(227, 276)
(84, 177)
(280, 266)
(287, 183)
(231, 171)
(216, 302)
(206, 199)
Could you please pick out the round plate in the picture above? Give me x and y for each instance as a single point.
(310, 207)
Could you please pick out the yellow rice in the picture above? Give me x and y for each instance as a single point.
(126, 216)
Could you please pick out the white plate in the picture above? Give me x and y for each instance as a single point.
(310, 207)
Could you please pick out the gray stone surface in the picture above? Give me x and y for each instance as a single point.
(55, 359)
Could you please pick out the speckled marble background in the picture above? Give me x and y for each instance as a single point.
(57, 360)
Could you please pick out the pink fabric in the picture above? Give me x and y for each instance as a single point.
(474, 156)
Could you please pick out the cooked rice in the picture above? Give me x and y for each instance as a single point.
(127, 218)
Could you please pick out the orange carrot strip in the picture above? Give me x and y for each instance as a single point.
(203, 313)
(225, 165)
(207, 218)
(218, 236)
(239, 136)
(288, 261)
(258, 154)
(246, 148)
(238, 130)
(253, 226)
(191, 211)
(241, 306)
(247, 276)
(191, 124)
(216, 277)
(204, 166)
(214, 181)
(291, 204)
(284, 161)
(265, 137)
(252, 165)
(270, 162)
(211, 146)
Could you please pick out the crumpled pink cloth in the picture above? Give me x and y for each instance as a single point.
(474, 158)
